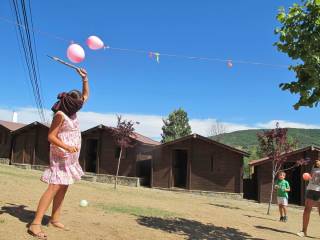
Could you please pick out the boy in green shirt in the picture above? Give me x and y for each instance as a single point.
(282, 186)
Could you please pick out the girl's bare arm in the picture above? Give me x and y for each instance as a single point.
(53, 134)
(85, 83)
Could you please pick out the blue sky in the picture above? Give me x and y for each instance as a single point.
(133, 84)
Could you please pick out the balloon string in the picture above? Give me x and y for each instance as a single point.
(35, 30)
(152, 53)
(199, 58)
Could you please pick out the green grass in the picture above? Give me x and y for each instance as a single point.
(2, 221)
(136, 211)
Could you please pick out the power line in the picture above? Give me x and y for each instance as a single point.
(31, 63)
(34, 65)
(35, 47)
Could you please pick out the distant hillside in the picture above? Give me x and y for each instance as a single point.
(247, 139)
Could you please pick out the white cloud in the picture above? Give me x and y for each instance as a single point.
(203, 126)
(286, 124)
(150, 125)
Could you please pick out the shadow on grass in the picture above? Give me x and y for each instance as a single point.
(135, 210)
(225, 206)
(263, 218)
(19, 212)
(193, 229)
(279, 231)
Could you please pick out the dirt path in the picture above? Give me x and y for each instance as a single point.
(140, 213)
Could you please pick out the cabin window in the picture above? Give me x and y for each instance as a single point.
(211, 163)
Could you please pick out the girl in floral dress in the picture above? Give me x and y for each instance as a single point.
(65, 143)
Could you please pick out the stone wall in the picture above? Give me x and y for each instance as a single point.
(206, 193)
(28, 166)
(5, 161)
(91, 177)
(104, 178)
(39, 167)
(21, 165)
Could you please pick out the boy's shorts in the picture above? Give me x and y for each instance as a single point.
(313, 195)
(282, 201)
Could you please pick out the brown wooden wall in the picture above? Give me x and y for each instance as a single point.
(227, 167)
(31, 146)
(161, 168)
(42, 146)
(106, 160)
(5, 142)
(263, 174)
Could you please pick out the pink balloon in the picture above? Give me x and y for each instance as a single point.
(306, 176)
(94, 43)
(75, 53)
(230, 64)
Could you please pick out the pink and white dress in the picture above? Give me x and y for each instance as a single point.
(64, 166)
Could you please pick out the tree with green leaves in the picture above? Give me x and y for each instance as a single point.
(175, 126)
(299, 38)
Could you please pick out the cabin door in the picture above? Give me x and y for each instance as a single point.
(179, 168)
(91, 155)
(293, 176)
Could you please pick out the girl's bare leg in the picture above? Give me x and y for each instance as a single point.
(43, 206)
(57, 205)
(306, 215)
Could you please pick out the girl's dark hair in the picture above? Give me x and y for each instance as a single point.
(76, 94)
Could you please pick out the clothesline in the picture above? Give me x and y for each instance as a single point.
(151, 54)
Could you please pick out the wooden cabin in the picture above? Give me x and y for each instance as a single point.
(6, 128)
(100, 153)
(195, 162)
(30, 144)
(261, 176)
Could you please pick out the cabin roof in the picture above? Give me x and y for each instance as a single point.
(25, 127)
(137, 136)
(11, 126)
(208, 140)
(267, 159)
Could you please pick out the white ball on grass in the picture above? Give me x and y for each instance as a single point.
(83, 203)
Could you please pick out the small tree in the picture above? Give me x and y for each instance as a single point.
(274, 144)
(217, 130)
(123, 134)
(299, 38)
(175, 126)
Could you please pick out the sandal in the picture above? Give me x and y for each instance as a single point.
(55, 224)
(39, 235)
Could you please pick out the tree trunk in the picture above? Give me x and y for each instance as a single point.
(271, 193)
(116, 178)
